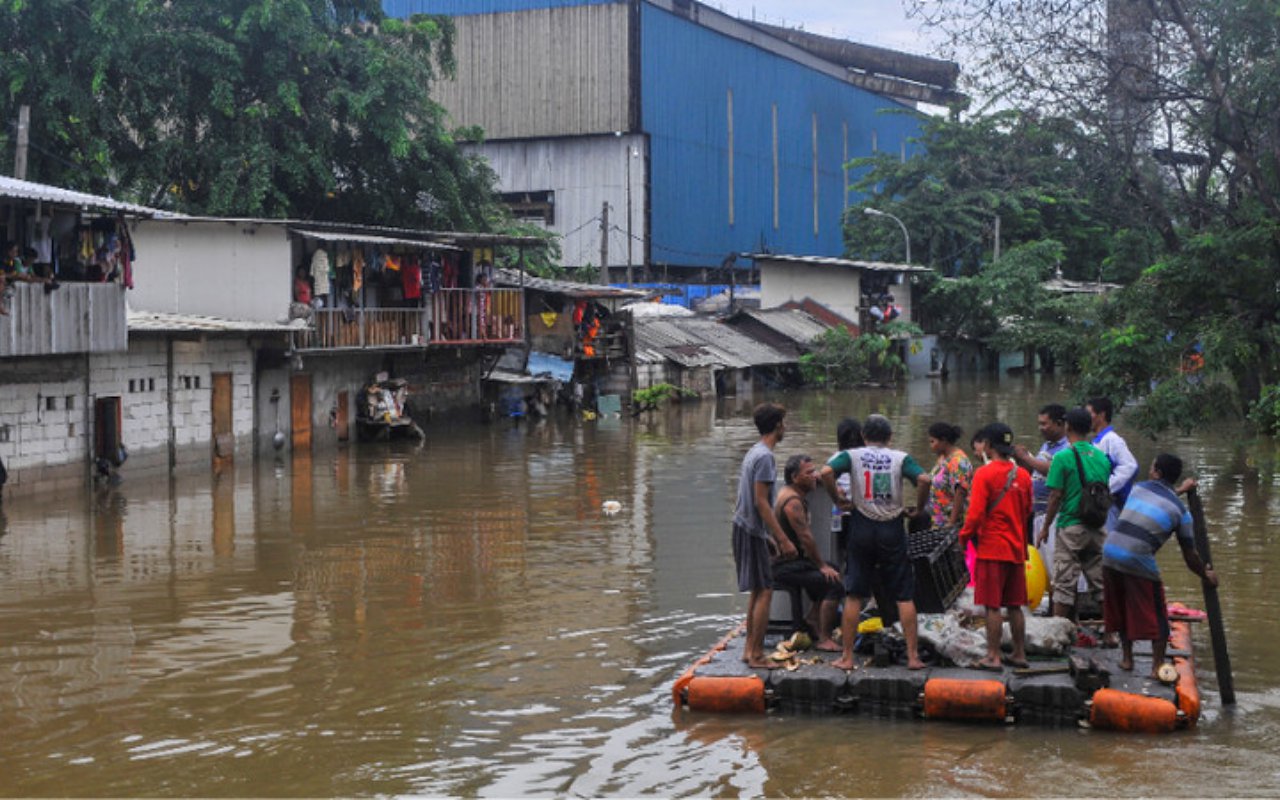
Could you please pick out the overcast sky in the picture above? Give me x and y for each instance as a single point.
(879, 22)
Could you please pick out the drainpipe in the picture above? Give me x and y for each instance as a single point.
(168, 396)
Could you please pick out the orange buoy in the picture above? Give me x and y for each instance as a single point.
(958, 699)
(1115, 710)
(1187, 690)
(726, 695)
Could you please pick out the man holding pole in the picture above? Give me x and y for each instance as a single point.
(1133, 595)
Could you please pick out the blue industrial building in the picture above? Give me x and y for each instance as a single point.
(661, 135)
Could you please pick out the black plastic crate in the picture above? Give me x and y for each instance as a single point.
(938, 563)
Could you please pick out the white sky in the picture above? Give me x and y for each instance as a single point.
(878, 22)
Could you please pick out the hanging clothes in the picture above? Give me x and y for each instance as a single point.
(320, 271)
(435, 274)
(357, 270)
(411, 279)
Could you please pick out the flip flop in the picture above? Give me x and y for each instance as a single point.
(988, 667)
(1009, 662)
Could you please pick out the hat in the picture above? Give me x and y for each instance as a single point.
(1000, 438)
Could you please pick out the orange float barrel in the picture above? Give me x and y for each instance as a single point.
(1115, 710)
(726, 695)
(950, 698)
(1188, 690)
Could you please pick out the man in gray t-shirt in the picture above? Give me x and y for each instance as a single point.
(756, 531)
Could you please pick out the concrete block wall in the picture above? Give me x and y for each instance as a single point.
(44, 431)
(47, 405)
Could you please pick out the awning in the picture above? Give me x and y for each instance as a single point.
(382, 241)
(547, 364)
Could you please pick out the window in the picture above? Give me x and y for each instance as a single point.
(51, 404)
(71, 402)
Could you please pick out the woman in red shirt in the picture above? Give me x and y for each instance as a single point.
(999, 508)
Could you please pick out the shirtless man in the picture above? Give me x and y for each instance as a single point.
(808, 570)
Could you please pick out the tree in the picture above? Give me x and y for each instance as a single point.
(838, 359)
(278, 108)
(1178, 98)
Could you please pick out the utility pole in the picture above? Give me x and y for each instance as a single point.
(997, 235)
(604, 244)
(24, 138)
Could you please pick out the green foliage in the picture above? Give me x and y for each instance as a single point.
(1265, 412)
(1037, 175)
(838, 359)
(275, 108)
(652, 398)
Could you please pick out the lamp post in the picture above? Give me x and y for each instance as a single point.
(875, 212)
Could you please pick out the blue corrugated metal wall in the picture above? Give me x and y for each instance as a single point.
(687, 72)
(453, 8)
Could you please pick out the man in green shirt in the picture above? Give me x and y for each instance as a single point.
(1077, 547)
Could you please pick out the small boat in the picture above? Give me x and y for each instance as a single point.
(382, 413)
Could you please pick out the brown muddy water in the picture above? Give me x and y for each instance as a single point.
(462, 619)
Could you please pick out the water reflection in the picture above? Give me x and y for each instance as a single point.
(460, 618)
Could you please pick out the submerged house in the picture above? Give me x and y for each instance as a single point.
(707, 357)
(354, 302)
(577, 342)
(87, 383)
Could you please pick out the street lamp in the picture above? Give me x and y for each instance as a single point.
(875, 212)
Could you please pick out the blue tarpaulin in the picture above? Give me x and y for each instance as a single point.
(547, 364)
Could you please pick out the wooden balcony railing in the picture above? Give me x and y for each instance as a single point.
(451, 316)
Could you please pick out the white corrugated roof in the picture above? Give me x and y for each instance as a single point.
(700, 342)
(825, 261)
(383, 241)
(57, 196)
(163, 322)
(511, 277)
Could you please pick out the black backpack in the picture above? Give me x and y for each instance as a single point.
(1095, 498)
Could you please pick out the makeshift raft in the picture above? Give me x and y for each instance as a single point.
(1085, 688)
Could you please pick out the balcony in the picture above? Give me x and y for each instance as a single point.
(74, 318)
(451, 317)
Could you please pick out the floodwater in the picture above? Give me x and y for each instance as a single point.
(462, 619)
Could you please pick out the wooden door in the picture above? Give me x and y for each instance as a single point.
(300, 411)
(343, 425)
(224, 437)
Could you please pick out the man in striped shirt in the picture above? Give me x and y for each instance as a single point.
(1133, 595)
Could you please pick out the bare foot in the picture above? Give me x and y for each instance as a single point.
(827, 646)
(915, 664)
(845, 664)
(1127, 666)
(763, 663)
(993, 666)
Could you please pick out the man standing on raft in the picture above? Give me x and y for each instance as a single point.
(754, 525)
(877, 540)
(1133, 602)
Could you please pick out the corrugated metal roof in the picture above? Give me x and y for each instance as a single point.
(54, 195)
(792, 323)
(824, 261)
(701, 342)
(511, 277)
(384, 241)
(163, 322)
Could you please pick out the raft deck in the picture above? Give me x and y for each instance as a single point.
(1085, 687)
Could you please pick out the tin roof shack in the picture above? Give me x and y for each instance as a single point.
(577, 340)
(852, 289)
(787, 330)
(706, 356)
(60, 333)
